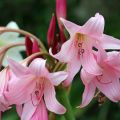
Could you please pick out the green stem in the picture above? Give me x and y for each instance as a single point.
(65, 101)
(4, 29)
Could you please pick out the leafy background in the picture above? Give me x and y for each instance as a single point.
(34, 16)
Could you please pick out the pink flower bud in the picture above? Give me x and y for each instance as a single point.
(28, 45)
(51, 31)
(61, 11)
(61, 8)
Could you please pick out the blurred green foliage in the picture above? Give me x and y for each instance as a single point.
(34, 16)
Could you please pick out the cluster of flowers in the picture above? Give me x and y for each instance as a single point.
(30, 84)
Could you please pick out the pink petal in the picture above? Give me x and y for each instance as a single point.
(19, 109)
(17, 68)
(28, 111)
(109, 85)
(89, 62)
(89, 90)
(50, 99)
(57, 77)
(94, 26)
(19, 90)
(72, 68)
(66, 53)
(41, 112)
(109, 42)
(71, 27)
(86, 77)
(88, 94)
(37, 67)
(113, 59)
(101, 55)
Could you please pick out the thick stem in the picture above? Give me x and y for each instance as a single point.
(4, 29)
(65, 101)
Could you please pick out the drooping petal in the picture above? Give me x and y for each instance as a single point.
(50, 99)
(72, 68)
(109, 85)
(57, 77)
(38, 67)
(41, 112)
(19, 109)
(113, 59)
(71, 27)
(109, 42)
(17, 68)
(20, 89)
(66, 53)
(101, 55)
(28, 111)
(88, 94)
(88, 60)
(86, 77)
(90, 87)
(94, 26)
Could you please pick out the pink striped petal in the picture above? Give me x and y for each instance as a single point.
(71, 27)
(88, 94)
(18, 69)
(57, 77)
(72, 68)
(37, 67)
(41, 112)
(28, 111)
(19, 90)
(89, 90)
(109, 42)
(66, 53)
(19, 109)
(89, 62)
(94, 26)
(50, 99)
(109, 86)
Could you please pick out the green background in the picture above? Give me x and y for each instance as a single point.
(34, 16)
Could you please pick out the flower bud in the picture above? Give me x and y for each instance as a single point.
(51, 31)
(28, 45)
(35, 47)
(61, 10)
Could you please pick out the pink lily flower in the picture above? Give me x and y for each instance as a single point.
(4, 78)
(77, 50)
(108, 82)
(34, 84)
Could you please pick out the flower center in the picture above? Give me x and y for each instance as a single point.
(37, 95)
(79, 40)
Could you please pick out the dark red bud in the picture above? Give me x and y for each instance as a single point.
(35, 47)
(28, 45)
(51, 31)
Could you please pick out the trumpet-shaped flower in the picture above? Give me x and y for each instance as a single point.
(108, 82)
(12, 37)
(78, 50)
(34, 83)
(4, 78)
